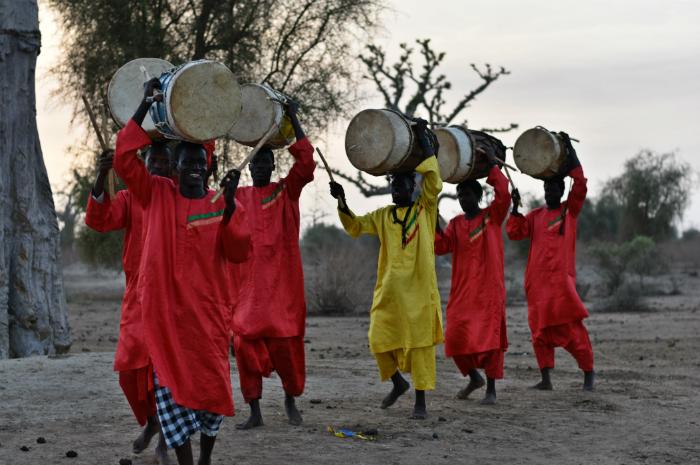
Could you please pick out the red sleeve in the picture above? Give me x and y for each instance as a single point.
(444, 243)
(127, 166)
(302, 171)
(518, 227)
(501, 202)
(234, 236)
(109, 215)
(577, 195)
(209, 147)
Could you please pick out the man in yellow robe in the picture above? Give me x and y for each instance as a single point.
(406, 317)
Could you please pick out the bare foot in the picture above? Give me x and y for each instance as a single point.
(543, 386)
(162, 452)
(252, 422)
(419, 413)
(142, 442)
(292, 413)
(489, 399)
(397, 391)
(473, 385)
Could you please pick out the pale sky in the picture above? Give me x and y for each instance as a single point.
(619, 75)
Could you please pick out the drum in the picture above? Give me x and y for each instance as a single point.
(382, 141)
(459, 160)
(263, 110)
(201, 102)
(539, 153)
(125, 91)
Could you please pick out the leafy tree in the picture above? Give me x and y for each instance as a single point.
(638, 256)
(651, 194)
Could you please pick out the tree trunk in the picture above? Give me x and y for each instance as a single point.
(33, 314)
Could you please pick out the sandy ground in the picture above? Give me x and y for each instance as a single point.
(646, 409)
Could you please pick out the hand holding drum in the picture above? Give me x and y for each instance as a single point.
(467, 154)
(544, 154)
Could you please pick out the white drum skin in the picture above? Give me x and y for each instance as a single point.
(379, 141)
(455, 155)
(125, 91)
(539, 153)
(262, 111)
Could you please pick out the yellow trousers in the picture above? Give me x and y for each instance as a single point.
(419, 362)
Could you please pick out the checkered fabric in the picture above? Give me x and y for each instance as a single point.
(178, 423)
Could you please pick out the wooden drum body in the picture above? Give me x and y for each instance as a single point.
(125, 91)
(539, 153)
(263, 111)
(382, 141)
(459, 158)
(201, 102)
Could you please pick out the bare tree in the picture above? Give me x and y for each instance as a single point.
(33, 314)
(419, 89)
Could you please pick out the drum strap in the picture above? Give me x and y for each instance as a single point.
(404, 222)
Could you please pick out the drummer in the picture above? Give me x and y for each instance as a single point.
(131, 360)
(555, 310)
(189, 287)
(270, 319)
(475, 335)
(406, 317)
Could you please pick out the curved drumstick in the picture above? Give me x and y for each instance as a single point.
(325, 163)
(110, 174)
(247, 159)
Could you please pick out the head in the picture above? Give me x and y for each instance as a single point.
(157, 159)
(261, 167)
(469, 193)
(553, 191)
(402, 187)
(191, 167)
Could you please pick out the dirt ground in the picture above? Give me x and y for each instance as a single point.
(645, 410)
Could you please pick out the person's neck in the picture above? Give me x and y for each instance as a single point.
(192, 192)
(261, 183)
(553, 206)
(471, 212)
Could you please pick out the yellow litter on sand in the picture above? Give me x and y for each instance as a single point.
(346, 433)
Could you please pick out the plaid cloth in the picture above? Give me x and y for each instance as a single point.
(178, 423)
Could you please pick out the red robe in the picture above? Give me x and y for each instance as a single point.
(476, 309)
(122, 212)
(187, 284)
(272, 302)
(550, 276)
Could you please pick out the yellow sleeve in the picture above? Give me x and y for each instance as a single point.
(356, 225)
(432, 183)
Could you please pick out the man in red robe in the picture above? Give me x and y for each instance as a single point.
(131, 360)
(475, 336)
(269, 321)
(555, 310)
(187, 285)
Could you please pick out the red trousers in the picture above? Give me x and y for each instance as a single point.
(256, 358)
(573, 337)
(491, 362)
(137, 386)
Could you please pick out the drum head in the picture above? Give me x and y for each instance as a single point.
(374, 137)
(204, 100)
(258, 116)
(125, 90)
(455, 155)
(536, 151)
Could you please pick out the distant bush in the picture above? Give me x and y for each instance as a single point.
(626, 298)
(615, 261)
(339, 272)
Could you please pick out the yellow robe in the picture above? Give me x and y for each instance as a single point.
(406, 312)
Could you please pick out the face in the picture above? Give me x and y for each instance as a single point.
(261, 167)
(467, 199)
(402, 190)
(158, 163)
(192, 166)
(552, 193)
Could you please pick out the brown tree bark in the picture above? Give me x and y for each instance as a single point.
(33, 313)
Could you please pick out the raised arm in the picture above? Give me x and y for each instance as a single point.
(444, 240)
(302, 171)
(518, 227)
(501, 201)
(577, 195)
(104, 214)
(354, 225)
(234, 236)
(127, 165)
(432, 183)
